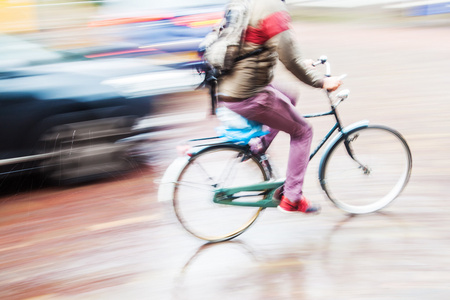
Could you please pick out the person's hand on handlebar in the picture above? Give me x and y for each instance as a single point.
(329, 83)
(332, 83)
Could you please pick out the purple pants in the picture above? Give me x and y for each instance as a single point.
(276, 110)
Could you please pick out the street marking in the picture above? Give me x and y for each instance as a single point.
(26, 244)
(44, 297)
(123, 222)
(95, 227)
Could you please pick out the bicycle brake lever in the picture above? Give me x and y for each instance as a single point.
(321, 60)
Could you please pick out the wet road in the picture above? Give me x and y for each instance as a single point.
(111, 239)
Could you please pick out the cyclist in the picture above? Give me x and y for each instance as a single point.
(247, 90)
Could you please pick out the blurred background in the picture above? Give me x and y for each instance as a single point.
(86, 77)
(96, 95)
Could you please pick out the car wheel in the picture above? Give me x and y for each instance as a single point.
(86, 150)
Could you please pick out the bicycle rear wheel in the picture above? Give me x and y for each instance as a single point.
(216, 167)
(374, 177)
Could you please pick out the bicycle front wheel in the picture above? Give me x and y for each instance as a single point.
(366, 169)
(210, 169)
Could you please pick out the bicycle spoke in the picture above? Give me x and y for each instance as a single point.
(220, 179)
(230, 167)
(196, 185)
(372, 176)
(194, 192)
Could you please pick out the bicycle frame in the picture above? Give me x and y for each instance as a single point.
(337, 126)
(267, 189)
(229, 196)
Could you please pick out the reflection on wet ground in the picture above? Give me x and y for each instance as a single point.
(111, 240)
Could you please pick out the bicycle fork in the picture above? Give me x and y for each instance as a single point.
(348, 147)
(347, 139)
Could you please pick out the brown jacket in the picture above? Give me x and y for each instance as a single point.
(269, 27)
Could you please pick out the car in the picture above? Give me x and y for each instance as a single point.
(169, 30)
(71, 118)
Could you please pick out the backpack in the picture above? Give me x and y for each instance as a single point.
(222, 46)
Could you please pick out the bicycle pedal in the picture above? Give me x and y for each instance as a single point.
(279, 192)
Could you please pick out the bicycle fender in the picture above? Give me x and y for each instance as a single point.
(167, 184)
(337, 137)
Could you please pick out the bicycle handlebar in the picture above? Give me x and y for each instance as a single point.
(323, 61)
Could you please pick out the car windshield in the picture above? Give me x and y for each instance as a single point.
(18, 52)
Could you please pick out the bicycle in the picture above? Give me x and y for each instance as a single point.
(219, 188)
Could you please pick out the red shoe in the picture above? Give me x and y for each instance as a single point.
(303, 206)
(306, 207)
(287, 206)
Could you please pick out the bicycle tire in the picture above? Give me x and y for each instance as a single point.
(211, 168)
(382, 174)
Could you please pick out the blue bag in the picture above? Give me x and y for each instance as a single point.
(236, 128)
